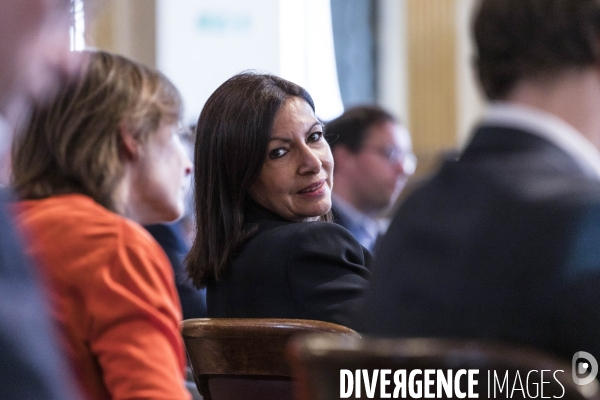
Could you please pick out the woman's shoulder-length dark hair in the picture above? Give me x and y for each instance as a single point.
(232, 139)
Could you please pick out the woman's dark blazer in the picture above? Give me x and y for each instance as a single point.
(306, 270)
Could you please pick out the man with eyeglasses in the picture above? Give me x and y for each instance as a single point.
(504, 243)
(373, 160)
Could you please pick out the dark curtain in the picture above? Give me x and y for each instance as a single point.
(354, 38)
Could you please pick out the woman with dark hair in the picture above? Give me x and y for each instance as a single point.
(263, 177)
(97, 161)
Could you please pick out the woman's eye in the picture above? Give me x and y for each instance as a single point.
(315, 136)
(277, 153)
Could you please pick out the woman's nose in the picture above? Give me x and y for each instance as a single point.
(310, 161)
(399, 167)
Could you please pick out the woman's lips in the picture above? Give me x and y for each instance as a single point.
(316, 189)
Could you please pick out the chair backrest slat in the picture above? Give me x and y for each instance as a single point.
(245, 355)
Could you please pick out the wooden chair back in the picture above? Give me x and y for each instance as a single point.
(317, 361)
(244, 358)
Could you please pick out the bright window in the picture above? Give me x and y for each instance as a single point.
(307, 54)
(76, 32)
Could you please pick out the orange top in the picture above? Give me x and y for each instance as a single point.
(113, 296)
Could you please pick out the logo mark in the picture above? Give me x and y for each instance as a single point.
(590, 365)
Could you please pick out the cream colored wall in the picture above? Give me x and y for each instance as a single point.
(126, 27)
(427, 76)
(432, 51)
(469, 99)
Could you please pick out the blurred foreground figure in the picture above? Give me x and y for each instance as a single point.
(373, 160)
(97, 161)
(34, 55)
(504, 243)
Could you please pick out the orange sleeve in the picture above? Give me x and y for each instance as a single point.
(134, 331)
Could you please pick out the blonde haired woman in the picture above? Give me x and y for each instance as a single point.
(97, 161)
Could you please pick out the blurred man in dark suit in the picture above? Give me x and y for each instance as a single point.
(373, 160)
(34, 54)
(504, 243)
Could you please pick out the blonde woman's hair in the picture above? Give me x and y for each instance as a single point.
(73, 143)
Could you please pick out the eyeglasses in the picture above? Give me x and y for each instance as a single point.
(393, 154)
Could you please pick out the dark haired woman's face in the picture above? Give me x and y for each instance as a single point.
(296, 179)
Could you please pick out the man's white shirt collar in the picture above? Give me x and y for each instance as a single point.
(371, 227)
(549, 127)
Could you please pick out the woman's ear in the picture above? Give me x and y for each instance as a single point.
(131, 145)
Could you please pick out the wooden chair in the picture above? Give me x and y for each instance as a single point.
(317, 361)
(245, 358)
